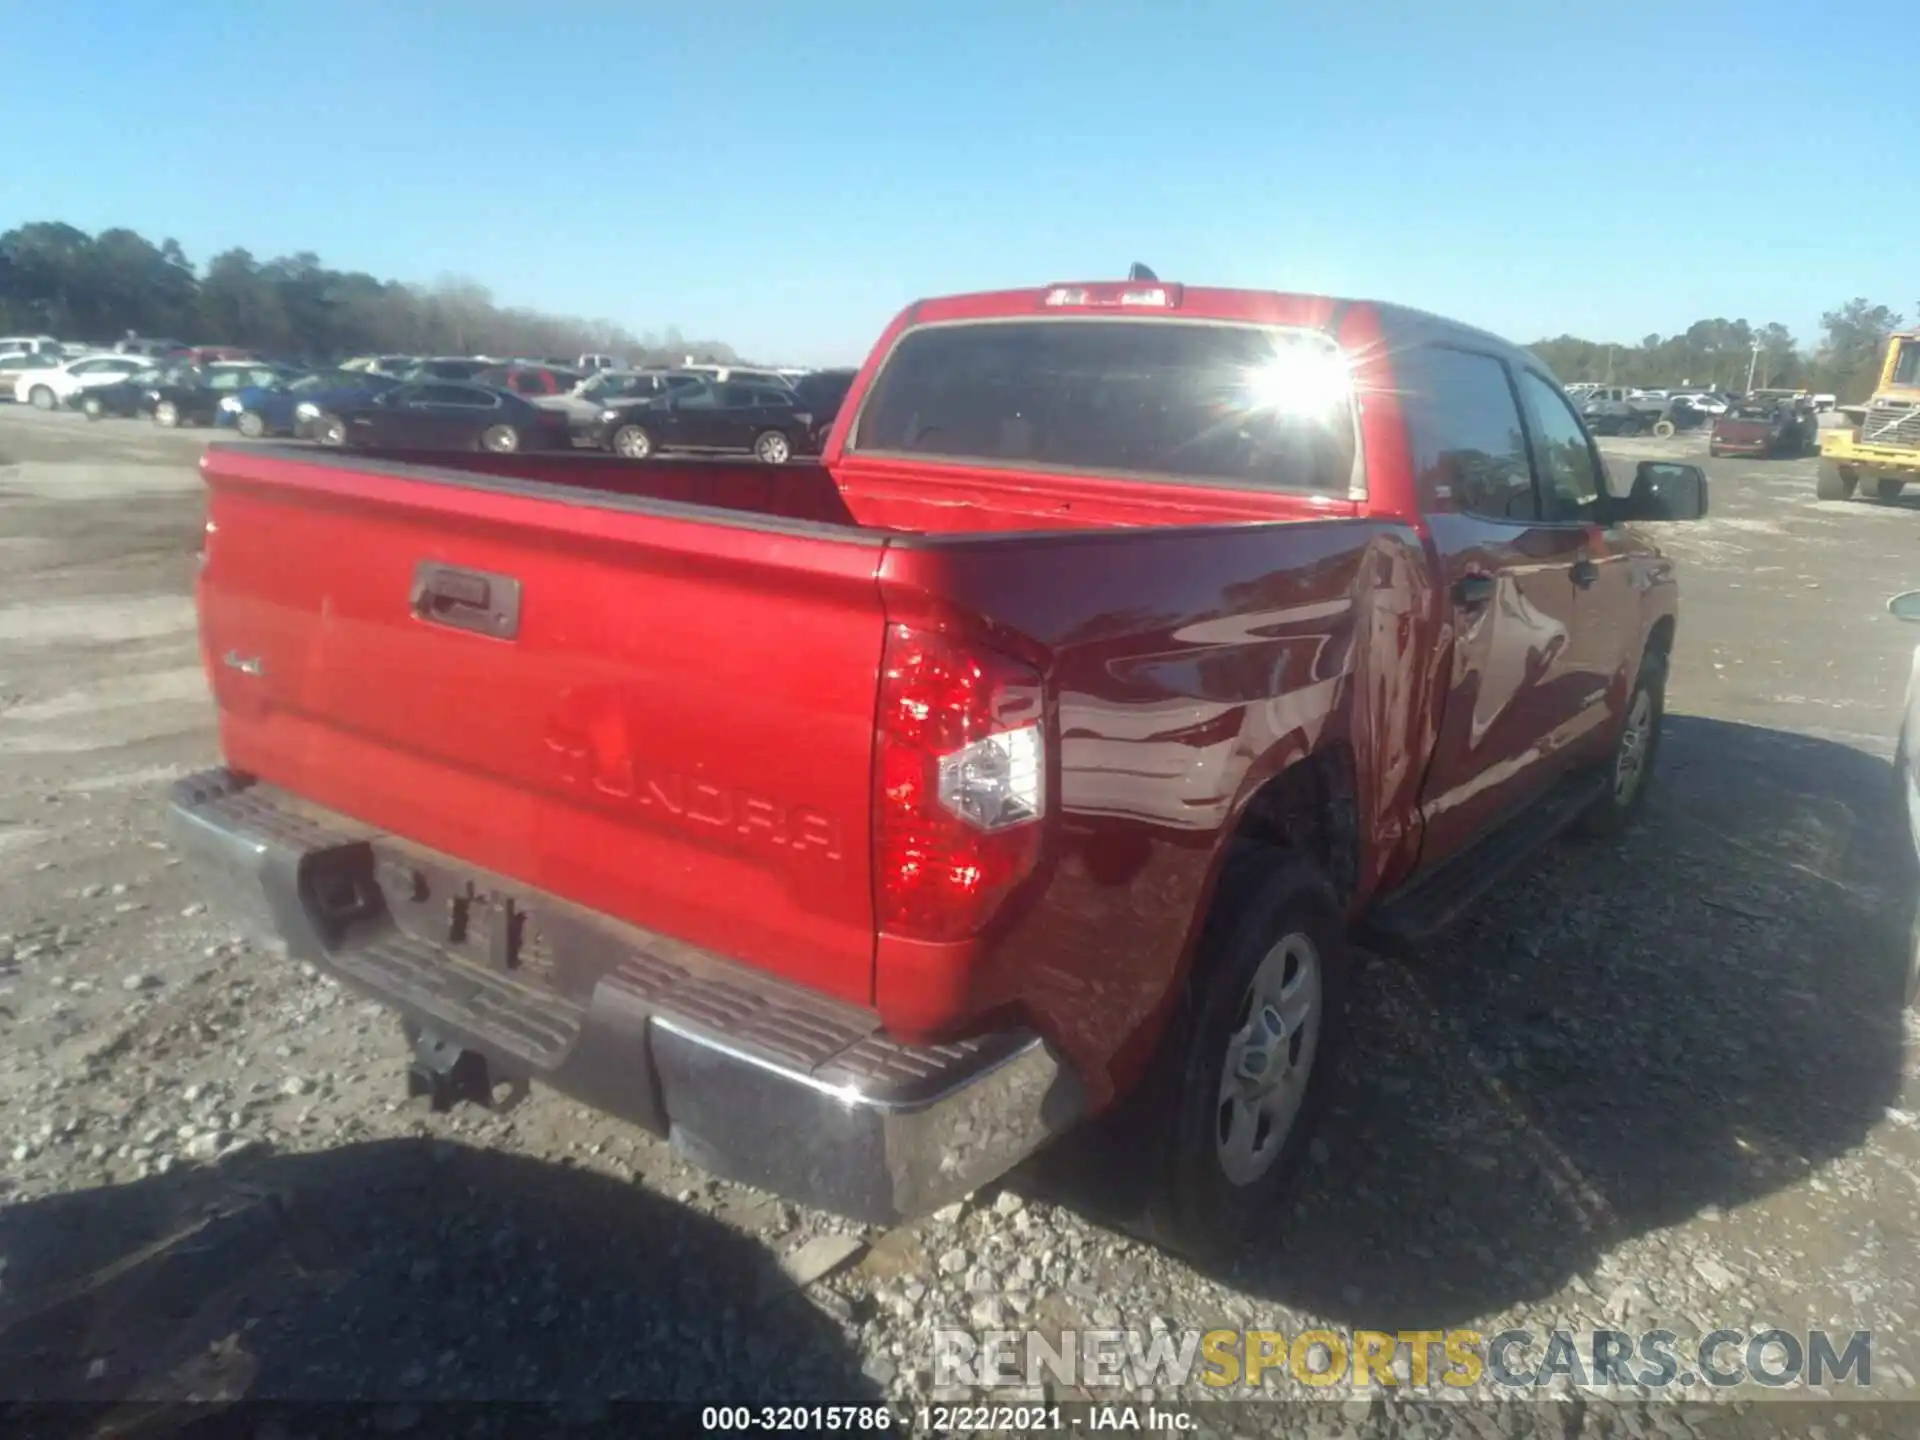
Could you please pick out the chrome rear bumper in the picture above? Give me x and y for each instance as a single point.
(747, 1076)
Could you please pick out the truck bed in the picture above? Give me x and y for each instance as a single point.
(649, 689)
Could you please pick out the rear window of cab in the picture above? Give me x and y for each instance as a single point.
(1194, 402)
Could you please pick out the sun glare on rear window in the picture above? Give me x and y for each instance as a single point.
(1167, 400)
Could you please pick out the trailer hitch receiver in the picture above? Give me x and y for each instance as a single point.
(446, 1074)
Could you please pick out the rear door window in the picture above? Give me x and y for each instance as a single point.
(1192, 402)
(1463, 424)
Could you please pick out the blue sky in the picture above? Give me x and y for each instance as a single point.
(784, 176)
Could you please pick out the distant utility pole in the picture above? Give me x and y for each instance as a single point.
(1752, 361)
(1609, 364)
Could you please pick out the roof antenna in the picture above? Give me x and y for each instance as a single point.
(1140, 272)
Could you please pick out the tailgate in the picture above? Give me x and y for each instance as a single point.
(661, 713)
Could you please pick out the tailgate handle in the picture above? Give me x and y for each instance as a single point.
(466, 599)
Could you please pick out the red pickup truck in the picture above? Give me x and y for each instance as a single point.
(861, 827)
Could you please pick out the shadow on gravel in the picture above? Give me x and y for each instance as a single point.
(1626, 1035)
(400, 1270)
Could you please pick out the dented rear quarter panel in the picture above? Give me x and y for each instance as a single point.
(1186, 668)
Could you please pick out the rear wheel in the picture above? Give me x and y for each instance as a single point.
(633, 442)
(92, 408)
(773, 448)
(1245, 1066)
(331, 430)
(500, 439)
(1663, 428)
(1836, 481)
(166, 415)
(43, 397)
(250, 424)
(1889, 489)
(1631, 767)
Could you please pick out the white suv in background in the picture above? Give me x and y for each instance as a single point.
(51, 388)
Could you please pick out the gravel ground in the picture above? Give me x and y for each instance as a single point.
(1661, 1083)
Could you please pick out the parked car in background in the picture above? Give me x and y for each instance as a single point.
(1825, 402)
(381, 364)
(584, 404)
(1621, 410)
(444, 415)
(1707, 402)
(18, 363)
(31, 345)
(1906, 775)
(446, 367)
(597, 362)
(290, 406)
(751, 373)
(215, 354)
(1764, 427)
(152, 348)
(818, 395)
(61, 384)
(530, 381)
(125, 399)
(191, 394)
(731, 417)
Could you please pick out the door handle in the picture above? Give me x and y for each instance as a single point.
(1585, 572)
(466, 599)
(1473, 590)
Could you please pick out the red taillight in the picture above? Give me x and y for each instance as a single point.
(960, 784)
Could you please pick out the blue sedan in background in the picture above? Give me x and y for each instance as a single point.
(291, 407)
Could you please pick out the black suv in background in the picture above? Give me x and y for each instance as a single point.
(820, 394)
(724, 417)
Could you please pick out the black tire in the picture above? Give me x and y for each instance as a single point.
(43, 398)
(1889, 489)
(330, 431)
(1835, 482)
(1636, 747)
(249, 424)
(1663, 428)
(1268, 899)
(631, 442)
(1713, 454)
(500, 440)
(771, 447)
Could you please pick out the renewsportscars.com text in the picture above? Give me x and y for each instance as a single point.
(1246, 1361)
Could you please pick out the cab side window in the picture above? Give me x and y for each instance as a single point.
(1463, 424)
(1571, 481)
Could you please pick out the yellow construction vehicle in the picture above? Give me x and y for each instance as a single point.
(1880, 446)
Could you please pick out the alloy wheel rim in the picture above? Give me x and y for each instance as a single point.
(1269, 1060)
(1630, 763)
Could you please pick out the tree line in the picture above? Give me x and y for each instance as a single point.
(1844, 361)
(59, 280)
